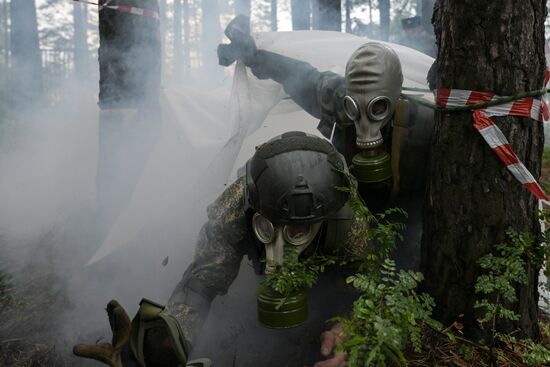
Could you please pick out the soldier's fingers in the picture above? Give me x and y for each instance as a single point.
(103, 352)
(328, 342)
(339, 360)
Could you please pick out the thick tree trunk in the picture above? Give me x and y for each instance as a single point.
(301, 13)
(26, 64)
(472, 199)
(384, 8)
(274, 15)
(242, 7)
(129, 87)
(80, 39)
(330, 15)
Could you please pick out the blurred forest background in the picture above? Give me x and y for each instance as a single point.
(45, 42)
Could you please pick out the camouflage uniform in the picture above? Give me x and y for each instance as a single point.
(222, 243)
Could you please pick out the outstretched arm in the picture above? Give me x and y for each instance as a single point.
(216, 263)
(318, 93)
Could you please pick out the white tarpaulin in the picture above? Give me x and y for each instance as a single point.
(205, 132)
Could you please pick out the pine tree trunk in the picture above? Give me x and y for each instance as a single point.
(186, 37)
(330, 15)
(211, 37)
(178, 49)
(26, 65)
(242, 7)
(301, 12)
(384, 8)
(348, 16)
(274, 15)
(472, 199)
(427, 9)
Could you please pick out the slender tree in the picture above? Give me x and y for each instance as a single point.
(186, 36)
(315, 14)
(301, 14)
(178, 47)
(26, 64)
(162, 14)
(472, 199)
(80, 39)
(385, 21)
(348, 16)
(274, 15)
(330, 15)
(242, 7)
(211, 37)
(427, 9)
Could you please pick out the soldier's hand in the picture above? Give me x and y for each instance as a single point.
(109, 353)
(329, 341)
(242, 46)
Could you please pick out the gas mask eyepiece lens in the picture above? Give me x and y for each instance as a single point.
(379, 108)
(297, 234)
(351, 108)
(263, 228)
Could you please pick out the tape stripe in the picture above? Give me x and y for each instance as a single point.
(493, 136)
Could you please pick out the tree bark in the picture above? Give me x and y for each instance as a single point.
(211, 37)
(242, 7)
(472, 199)
(330, 15)
(384, 8)
(301, 13)
(26, 65)
(274, 15)
(348, 16)
(129, 87)
(186, 37)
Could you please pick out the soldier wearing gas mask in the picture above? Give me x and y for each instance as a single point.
(384, 137)
(288, 200)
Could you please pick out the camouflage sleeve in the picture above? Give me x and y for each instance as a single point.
(356, 239)
(216, 263)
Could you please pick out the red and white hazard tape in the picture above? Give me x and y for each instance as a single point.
(526, 107)
(125, 9)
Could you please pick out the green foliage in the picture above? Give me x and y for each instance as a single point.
(382, 235)
(533, 354)
(387, 317)
(295, 274)
(389, 314)
(503, 272)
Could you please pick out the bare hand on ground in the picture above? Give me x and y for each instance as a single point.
(329, 341)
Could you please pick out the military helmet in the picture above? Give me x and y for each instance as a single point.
(294, 177)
